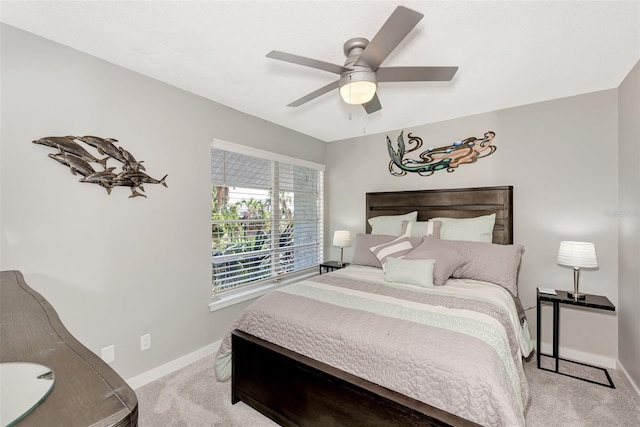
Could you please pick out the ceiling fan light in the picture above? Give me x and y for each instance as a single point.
(358, 86)
(358, 92)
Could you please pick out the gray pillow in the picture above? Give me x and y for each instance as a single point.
(362, 254)
(447, 259)
(488, 262)
(390, 224)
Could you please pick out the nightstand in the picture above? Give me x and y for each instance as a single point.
(329, 266)
(590, 301)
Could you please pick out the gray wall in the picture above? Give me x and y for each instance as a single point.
(629, 231)
(113, 267)
(558, 156)
(116, 268)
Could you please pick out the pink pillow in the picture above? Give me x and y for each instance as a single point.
(421, 228)
(488, 262)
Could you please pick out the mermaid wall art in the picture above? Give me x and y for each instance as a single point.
(448, 157)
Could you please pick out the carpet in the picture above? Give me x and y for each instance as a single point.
(193, 397)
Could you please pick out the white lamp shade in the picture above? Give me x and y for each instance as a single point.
(341, 238)
(577, 254)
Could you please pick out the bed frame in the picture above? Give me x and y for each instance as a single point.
(295, 390)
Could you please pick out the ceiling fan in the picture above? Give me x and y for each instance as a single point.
(361, 73)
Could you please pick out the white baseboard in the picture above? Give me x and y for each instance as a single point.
(580, 356)
(626, 374)
(172, 366)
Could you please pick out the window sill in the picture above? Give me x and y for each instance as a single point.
(242, 296)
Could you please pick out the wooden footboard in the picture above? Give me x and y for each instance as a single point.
(295, 390)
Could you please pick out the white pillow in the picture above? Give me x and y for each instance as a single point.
(412, 271)
(478, 229)
(394, 249)
(391, 224)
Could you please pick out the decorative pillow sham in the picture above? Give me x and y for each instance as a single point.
(395, 249)
(362, 254)
(488, 262)
(478, 229)
(447, 259)
(391, 224)
(421, 228)
(412, 271)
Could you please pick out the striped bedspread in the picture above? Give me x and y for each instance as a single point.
(458, 347)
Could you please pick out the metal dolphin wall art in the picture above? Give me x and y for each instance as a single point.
(77, 165)
(67, 145)
(72, 154)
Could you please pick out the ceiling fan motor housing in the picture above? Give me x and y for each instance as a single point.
(359, 85)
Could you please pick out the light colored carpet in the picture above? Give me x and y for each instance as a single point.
(193, 397)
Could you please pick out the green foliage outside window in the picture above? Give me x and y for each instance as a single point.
(244, 228)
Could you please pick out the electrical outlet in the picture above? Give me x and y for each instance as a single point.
(108, 354)
(145, 342)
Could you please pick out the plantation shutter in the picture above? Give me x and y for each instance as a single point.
(266, 219)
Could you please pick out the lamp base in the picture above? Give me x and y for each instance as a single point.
(576, 295)
(576, 278)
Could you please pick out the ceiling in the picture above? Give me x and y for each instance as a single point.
(510, 53)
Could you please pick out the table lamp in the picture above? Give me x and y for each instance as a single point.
(341, 239)
(577, 255)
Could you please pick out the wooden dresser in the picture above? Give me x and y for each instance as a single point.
(87, 391)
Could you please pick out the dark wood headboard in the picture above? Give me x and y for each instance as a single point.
(451, 203)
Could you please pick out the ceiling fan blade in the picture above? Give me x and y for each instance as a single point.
(307, 62)
(415, 74)
(315, 94)
(373, 105)
(399, 24)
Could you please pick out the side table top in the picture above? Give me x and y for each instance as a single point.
(333, 264)
(594, 301)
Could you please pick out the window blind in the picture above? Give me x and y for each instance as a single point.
(266, 220)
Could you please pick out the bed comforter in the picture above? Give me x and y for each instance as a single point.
(457, 347)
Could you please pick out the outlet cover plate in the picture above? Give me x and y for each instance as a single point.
(145, 342)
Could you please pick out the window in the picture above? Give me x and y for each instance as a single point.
(266, 213)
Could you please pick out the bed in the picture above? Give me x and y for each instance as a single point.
(354, 348)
